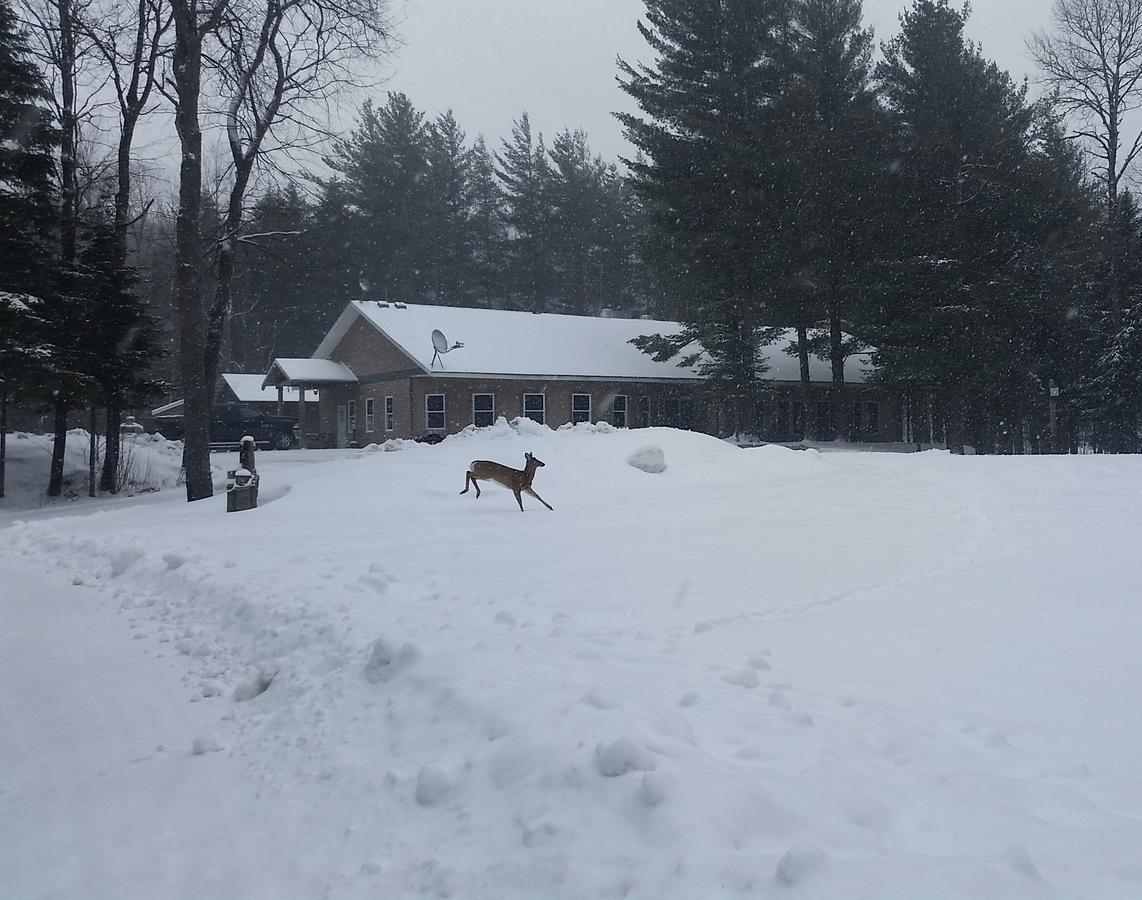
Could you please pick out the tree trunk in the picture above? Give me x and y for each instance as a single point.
(109, 478)
(220, 308)
(3, 436)
(91, 447)
(67, 157)
(123, 190)
(59, 445)
(954, 423)
(843, 423)
(187, 69)
(803, 358)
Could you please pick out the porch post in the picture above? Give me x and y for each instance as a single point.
(301, 414)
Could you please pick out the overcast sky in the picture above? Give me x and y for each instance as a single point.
(489, 59)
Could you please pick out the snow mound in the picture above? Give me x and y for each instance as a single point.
(648, 459)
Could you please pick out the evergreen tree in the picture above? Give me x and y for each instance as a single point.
(711, 175)
(840, 138)
(525, 176)
(120, 337)
(961, 130)
(384, 165)
(488, 228)
(450, 210)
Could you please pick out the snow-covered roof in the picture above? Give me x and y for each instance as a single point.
(519, 344)
(286, 370)
(248, 389)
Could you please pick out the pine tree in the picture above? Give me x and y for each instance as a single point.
(120, 337)
(961, 133)
(28, 224)
(525, 176)
(449, 187)
(384, 165)
(840, 138)
(488, 228)
(711, 176)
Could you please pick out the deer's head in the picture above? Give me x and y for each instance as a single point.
(532, 461)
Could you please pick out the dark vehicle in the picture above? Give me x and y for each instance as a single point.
(430, 438)
(230, 422)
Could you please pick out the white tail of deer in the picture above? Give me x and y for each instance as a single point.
(518, 481)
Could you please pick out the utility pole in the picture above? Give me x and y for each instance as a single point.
(1054, 393)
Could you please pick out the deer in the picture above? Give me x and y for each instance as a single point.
(518, 481)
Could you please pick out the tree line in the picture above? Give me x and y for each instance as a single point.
(981, 242)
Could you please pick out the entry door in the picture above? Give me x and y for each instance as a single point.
(342, 425)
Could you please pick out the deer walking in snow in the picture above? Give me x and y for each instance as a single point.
(518, 481)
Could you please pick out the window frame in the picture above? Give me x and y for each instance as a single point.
(643, 412)
(543, 410)
(370, 415)
(351, 416)
(574, 412)
(625, 413)
(491, 412)
(390, 415)
(442, 412)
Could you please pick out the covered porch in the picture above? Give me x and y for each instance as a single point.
(305, 374)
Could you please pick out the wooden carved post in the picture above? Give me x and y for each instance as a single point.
(242, 483)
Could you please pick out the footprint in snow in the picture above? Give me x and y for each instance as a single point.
(746, 678)
(778, 699)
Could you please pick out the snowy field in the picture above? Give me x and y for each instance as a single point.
(759, 673)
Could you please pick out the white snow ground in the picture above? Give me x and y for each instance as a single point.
(758, 673)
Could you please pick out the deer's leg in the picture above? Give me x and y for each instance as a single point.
(541, 500)
(519, 500)
(467, 482)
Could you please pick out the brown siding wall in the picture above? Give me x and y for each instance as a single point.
(383, 370)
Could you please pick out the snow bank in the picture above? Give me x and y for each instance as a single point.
(148, 463)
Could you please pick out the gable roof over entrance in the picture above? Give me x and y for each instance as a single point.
(286, 370)
(520, 344)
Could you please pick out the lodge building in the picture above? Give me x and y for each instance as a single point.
(395, 370)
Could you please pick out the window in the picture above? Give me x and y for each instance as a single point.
(580, 408)
(370, 418)
(352, 416)
(643, 412)
(483, 410)
(390, 417)
(434, 418)
(535, 408)
(619, 411)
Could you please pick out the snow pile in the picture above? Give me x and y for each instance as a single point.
(773, 672)
(648, 459)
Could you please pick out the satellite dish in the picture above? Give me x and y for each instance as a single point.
(440, 346)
